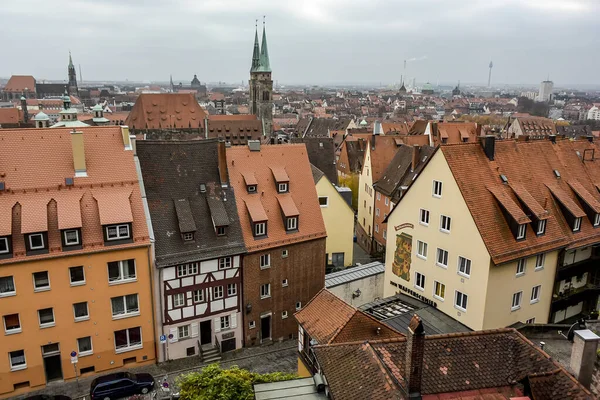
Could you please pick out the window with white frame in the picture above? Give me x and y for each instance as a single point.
(520, 267)
(17, 360)
(521, 231)
(187, 269)
(535, 293)
(596, 220)
(7, 286)
(291, 223)
(217, 292)
(265, 291)
(424, 217)
(530, 321)
(282, 187)
(36, 241)
(84, 346)
(539, 261)
(179, 300)
(225, 262)
(445, 222)
(260, 228)
(384, 234)
(377, 228)
(221, 231)
(464, 266)
(77, 275)
(81, 312)
(439, 290)
(117, 232)
(298, 305)
(46, 317)
(377, 211)
(284, 282)
(183, 332)
(442, 258)
(125, 306)
(4, 247)
(252, 324)
(460, 300)
(284, 314)
(198, 296)
(225, 322)
(265, 260)
(121, 271)
(231, 289)
(378, 196)
(41, 281)
(323, 201)
(437, 189)
(128, 339)
(516, 301)
(71, 237)
(421, 249)
(284, 253)
(541, 227)
(419, 281)
(387, 201)
(12, 324)
(577, 224)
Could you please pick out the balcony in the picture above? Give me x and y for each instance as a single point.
(578, 268)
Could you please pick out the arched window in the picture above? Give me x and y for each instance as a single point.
(265, 96)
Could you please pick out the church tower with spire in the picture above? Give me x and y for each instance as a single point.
(261, 83)
(72, 86)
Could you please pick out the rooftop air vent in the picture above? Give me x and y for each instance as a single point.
(504, 179)
(202, 188)
(69, 181)
(556, 173)
(2, 186)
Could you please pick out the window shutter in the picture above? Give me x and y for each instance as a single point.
(194, 329)
(234, 320)
(173, 331)
(217, 324)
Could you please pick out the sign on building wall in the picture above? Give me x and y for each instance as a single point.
(401, 264)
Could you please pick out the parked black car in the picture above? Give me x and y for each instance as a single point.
(47, 397)
(120, 384)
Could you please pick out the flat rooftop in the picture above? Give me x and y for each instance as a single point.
(298, 389)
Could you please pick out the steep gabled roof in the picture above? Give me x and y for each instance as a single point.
(321, 154)
(166, 110)
(18, 83)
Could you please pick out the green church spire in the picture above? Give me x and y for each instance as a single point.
(256, 53)
(264, 64)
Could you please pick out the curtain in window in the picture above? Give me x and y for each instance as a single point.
(118, 305)
(121, 339)
(7, 285)
(17, 358)
(46, 316)
(129, 269)
(132, 303)
(135, 336)
(85, 344)
(114, 272)
(80, 310)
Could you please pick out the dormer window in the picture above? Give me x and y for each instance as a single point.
(36, 241)
(521, 231)
(118, 232)
(577, 224)
(260, 229)
(291, 224)
(5, 245)
(188, 236)
(221, 231)
(282, 187)
(251, 188)
(596, 220)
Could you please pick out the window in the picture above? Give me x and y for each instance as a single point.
(265, 291)
(36, 241)
(225, 322)
(596, 223)
(77, 275)
(71, 237)
(298, 305)
(460, 301)
(41, 281)
(437, 189)
(284, 253)
(4, 247)
(535, 294)
(81, 311)
(221, 231)
(265, 261)
(324, 201)
(282, 187)
(225, 263)
(385, 234)
(577, 224)
(284, 315)
(188, 236)
(464, 266)
(260, 229)
(521, 232)
(442, 258)
(187, 269)
(530, 321)
(198, 296)
(424, 217)
(217, 292)
(439, 290)
(370, 209)
(46, 317)
(291, 223)
(252, 324)
(84, 346)
(541, 227)
(377, 228)
(377, 211)
(179, 300)
(117, 232)
(7, 286)
(387, 201)
(422, 249)
(128, 339)
(12, 324)
(521, 267)
(445, 222)
(516, 301)
(121, 271)
(231, 289)
(17, 360)
(125, 306)
(419, 281)
(284, 282)
(183, 332)
(539, 261)
(251, 188)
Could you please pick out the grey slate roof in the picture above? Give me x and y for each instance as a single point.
(184, 215)
(354, 273)
(173, 171)
(397, 311)
(321, 153)
(316, 173)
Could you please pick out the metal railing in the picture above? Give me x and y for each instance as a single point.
(200, 351)
(218, 345)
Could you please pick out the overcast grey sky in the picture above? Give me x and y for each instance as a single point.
(310, 41)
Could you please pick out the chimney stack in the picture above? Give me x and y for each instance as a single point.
(415, 348)
(206, 127)
(24, 109)
(415, 157)
(78, 153)
(489, 145)
(222, 158)
(583, 355)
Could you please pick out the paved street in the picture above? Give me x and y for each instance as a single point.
(276, 357)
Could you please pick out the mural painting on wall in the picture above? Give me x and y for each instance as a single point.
(401, 264)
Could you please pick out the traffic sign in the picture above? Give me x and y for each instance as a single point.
(73, 357)
(163, 338)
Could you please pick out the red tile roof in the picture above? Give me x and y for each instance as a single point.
(288, 208)
(384, 151)
(237, 117)
(18, 83)
(156, 111)
(293, 158)
(10, 116)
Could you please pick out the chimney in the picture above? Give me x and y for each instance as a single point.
(222, 157)
(78, 153)
(254, 145)
(125, 136)
(415, 347)
(132, 139)
(373, 137)
(552, 138)
(583, 355)
(24, 109)
(489, 143)
(415, 157)
(206, 127)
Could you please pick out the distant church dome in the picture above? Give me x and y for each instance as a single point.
(41, 116)
(97, 107)
(364, 123)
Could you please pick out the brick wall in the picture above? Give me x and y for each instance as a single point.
(304, 268)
